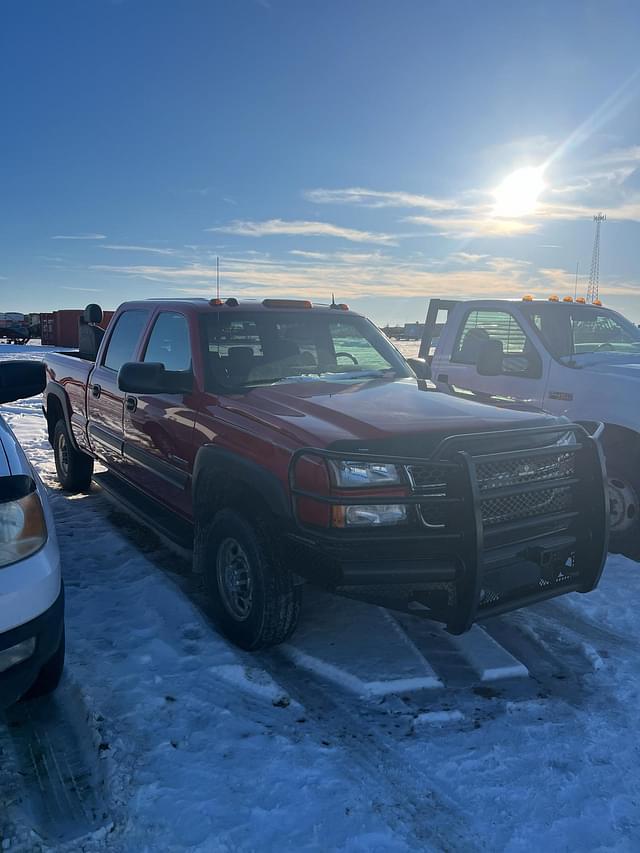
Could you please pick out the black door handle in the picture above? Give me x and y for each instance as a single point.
(131, 404)
(96, 390)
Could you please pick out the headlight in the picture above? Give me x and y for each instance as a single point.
(374, 515)
(23, 530)
(348, 475)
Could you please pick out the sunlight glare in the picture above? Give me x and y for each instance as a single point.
(518, 194)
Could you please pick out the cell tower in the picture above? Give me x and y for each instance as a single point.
(594, 275)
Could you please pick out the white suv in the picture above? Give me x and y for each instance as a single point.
(31, 592)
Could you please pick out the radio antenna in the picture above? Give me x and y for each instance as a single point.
(217, 277)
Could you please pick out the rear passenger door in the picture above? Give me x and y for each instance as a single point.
(158, 428)
(520, 379)
(105, 402)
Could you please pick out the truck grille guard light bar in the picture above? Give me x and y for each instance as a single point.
(543, 505)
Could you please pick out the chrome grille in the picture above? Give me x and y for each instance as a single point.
(513, 507)
(511, 472)
(431, 479)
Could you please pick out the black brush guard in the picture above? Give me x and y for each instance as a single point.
(489, 530)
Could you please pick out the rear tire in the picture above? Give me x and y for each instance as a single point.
(74, 468)
(50, 674)
(253, 597)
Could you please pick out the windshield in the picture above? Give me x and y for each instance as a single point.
(581, 329)
(263, 347)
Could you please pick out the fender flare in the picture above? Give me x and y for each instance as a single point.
(55, 390)
(243, 472)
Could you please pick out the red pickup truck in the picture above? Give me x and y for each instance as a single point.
(293, 443)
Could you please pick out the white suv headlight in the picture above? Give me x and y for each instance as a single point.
(23, 530)
(348, 475)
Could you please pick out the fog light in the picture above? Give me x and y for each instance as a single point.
(369, 515)
(16, 654)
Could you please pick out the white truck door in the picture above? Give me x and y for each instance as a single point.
(520, 363)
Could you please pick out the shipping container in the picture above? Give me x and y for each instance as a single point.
(60, 328)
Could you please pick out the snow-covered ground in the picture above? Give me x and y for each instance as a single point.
(366, 733)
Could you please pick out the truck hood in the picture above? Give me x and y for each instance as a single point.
(375, 413)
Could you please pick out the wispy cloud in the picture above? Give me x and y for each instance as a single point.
(125, 248)
(461, 274)
(378, 198)
(272, 227)
(79, 237)
(83, 289)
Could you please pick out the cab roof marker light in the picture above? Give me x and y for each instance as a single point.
(232, 302)
(597, 302)
(581, 300)
(527, 298)
(339, 306)
(567, 298)
(287, 303)
(216, 301)
(554, 298)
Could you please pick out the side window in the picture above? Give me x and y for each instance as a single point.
(124, 339)
(519, 357)
(169, 342)
(351, 347)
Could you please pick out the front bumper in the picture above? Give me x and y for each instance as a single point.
(47, 630)
(483, 544)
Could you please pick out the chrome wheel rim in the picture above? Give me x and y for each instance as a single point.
(624, 505)
(234, 579)
(63, 454)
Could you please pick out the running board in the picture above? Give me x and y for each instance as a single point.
(175, 531)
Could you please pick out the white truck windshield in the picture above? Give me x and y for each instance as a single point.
(578, 329)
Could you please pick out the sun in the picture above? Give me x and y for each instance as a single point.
(518, 194)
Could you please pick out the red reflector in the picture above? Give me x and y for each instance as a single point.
(287, 303)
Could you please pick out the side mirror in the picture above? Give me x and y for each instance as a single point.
(489, 362)
(420, 367)
(150, 377)
(21, 378)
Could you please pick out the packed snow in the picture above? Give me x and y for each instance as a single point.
(366, 732)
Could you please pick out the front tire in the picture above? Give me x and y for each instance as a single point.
(73, 468)
(254, 600)
(624, 500)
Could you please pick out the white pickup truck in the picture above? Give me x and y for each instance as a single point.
(564, 357)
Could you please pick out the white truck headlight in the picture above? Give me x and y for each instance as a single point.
(23, 530)
(348, 475)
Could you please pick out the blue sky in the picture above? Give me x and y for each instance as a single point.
(347, 146)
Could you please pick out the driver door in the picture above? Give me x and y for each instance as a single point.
(158, 428)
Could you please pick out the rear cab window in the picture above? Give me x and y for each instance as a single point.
(123, 343)
(483, 325)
